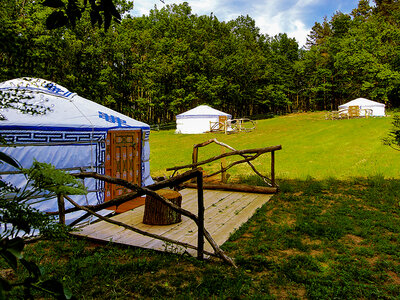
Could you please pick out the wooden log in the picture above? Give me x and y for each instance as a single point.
(234, 187)
(257, 152)
(157, 213)
(61, 209)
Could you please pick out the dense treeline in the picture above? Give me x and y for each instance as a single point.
(155, 66)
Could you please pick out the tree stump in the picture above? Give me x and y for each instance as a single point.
(157, 213)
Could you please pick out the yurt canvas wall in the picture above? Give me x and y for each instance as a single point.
(197, 120)
(75, 134)
(378, 109)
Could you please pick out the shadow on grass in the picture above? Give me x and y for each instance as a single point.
(326, 239)
(315, 239)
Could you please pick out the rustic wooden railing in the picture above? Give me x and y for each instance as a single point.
(150, 190)
(247, 154)
(232, 126)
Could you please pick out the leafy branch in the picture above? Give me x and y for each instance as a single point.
(17, 215)
(101, 12)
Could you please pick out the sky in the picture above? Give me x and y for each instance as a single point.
(293, 17)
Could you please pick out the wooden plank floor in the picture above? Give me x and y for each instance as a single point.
(225, 212)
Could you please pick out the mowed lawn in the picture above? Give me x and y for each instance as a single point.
(333, 236)
(311, 147)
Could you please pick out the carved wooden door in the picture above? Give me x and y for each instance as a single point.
(123, 160)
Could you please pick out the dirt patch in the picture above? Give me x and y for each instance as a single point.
(372, 260)
(315, 253)
(247, 235)
(309, 242)
(270, 212)
(290, 252)
(395, 278)
(354, 239)
(298, 292)
(367, 208)
(289, 221)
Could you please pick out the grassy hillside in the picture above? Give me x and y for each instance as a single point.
(312, 146)
(316, 238)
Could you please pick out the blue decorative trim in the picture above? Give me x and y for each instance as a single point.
(146, 135)
(100, 168)
(40, 136)
(61, 128)
(96, 138)
(112, 119)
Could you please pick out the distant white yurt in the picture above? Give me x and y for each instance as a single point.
(198, 119)
(377, 109)
(74, 134)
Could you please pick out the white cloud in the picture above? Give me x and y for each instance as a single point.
(294, 17)
(205, 7)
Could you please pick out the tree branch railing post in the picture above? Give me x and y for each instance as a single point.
(195, 157)
(61, 209)
(273, 168)
(200, 216)
(248, 155)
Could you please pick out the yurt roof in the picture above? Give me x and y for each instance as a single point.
(362, 102)
(202, 111)
(60, 108)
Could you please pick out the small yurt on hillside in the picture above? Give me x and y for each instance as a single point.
(75, 134)
(198, 119)
(377, 109)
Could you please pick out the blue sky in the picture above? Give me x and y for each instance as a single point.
(294, 17)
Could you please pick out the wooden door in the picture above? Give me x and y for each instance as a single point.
(222, 120)
(123, 160)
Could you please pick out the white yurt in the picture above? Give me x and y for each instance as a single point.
(377, 109)
(74, 134)
(198, 119)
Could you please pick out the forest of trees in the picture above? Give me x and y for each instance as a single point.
(155, 66)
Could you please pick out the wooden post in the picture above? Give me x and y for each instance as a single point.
(200, 216)
(61, 209)
(223, 165)
(273, 168)
(195, 156)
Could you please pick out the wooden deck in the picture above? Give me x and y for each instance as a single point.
(225, 212)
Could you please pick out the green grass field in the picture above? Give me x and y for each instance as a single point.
(332, 232)
(315, 239)
(311, 147)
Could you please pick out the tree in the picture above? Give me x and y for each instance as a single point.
(393, 138)
(319, 34)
